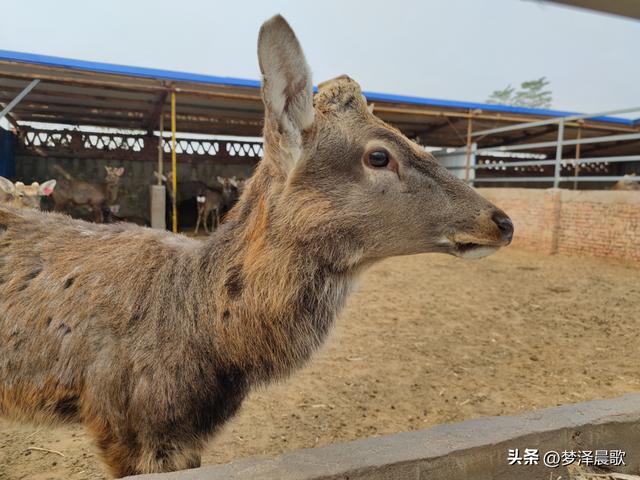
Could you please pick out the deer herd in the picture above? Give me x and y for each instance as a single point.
(66, 191)
(211, 200)
(100, 198)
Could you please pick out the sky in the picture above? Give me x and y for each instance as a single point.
(446, 49)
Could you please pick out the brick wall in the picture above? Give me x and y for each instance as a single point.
(584, 222)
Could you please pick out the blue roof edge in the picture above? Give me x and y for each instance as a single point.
(145, 72)
(172, 75)
(488, 107)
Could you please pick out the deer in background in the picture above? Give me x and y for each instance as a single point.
(209, 199)
(230, 192)
(185, 187)
(98, 197)
(209, 202)
(629, 182)
(239, 183)
(21, 195)
(153, 340)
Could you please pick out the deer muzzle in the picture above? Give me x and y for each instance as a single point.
(493, 229)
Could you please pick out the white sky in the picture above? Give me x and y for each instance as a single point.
(449, 49)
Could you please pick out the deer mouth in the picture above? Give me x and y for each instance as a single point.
(473, 250)
(466, 247)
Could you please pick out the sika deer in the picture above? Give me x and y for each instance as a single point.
(153, 340)
(629, 182)
(21, 195)
(238, 183)
(73, 192)
(209, 202)
(230, 193)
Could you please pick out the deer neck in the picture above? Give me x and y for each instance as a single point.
(277, 293)
(112, 187)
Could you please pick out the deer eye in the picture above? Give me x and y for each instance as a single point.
(379, 158)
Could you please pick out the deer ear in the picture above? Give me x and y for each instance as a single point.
(46, 188)
(287, 88)
(119, 171)
(7, 185)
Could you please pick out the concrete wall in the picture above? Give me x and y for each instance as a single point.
(600, 223)
(134, 192)
(476, 449)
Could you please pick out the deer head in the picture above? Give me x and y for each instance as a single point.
(238, 183)
(21, 195)
(227, 186)
(342, 172)
(114, 174)
(113, 185)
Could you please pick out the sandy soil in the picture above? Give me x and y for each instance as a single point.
(425, 340)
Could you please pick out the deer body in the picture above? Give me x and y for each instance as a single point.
(209, 202)
(629, 182)
(152, 340)
(76, 192)
(174, 359)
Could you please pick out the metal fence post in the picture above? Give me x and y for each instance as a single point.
(474, 148)
(468, 152)
(556, 175)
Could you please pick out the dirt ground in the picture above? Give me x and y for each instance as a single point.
(425, 340)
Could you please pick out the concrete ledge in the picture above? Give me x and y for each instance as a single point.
(475, 449)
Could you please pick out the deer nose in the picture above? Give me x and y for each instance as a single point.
(505, 225)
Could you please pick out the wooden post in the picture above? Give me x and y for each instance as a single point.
(174, 172)
(468, 156)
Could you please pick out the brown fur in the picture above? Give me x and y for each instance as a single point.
(154, 339)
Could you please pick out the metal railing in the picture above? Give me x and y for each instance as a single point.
(132, 146)
(558, 162)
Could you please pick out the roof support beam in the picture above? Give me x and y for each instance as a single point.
(527, 136)
(381, 110)
(19, 97)
(11, 120)
(437, 127)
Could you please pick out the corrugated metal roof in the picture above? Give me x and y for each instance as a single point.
(77, 92)
(175, 76)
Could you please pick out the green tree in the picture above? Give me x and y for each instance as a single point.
(502, 97)
(532, 93)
